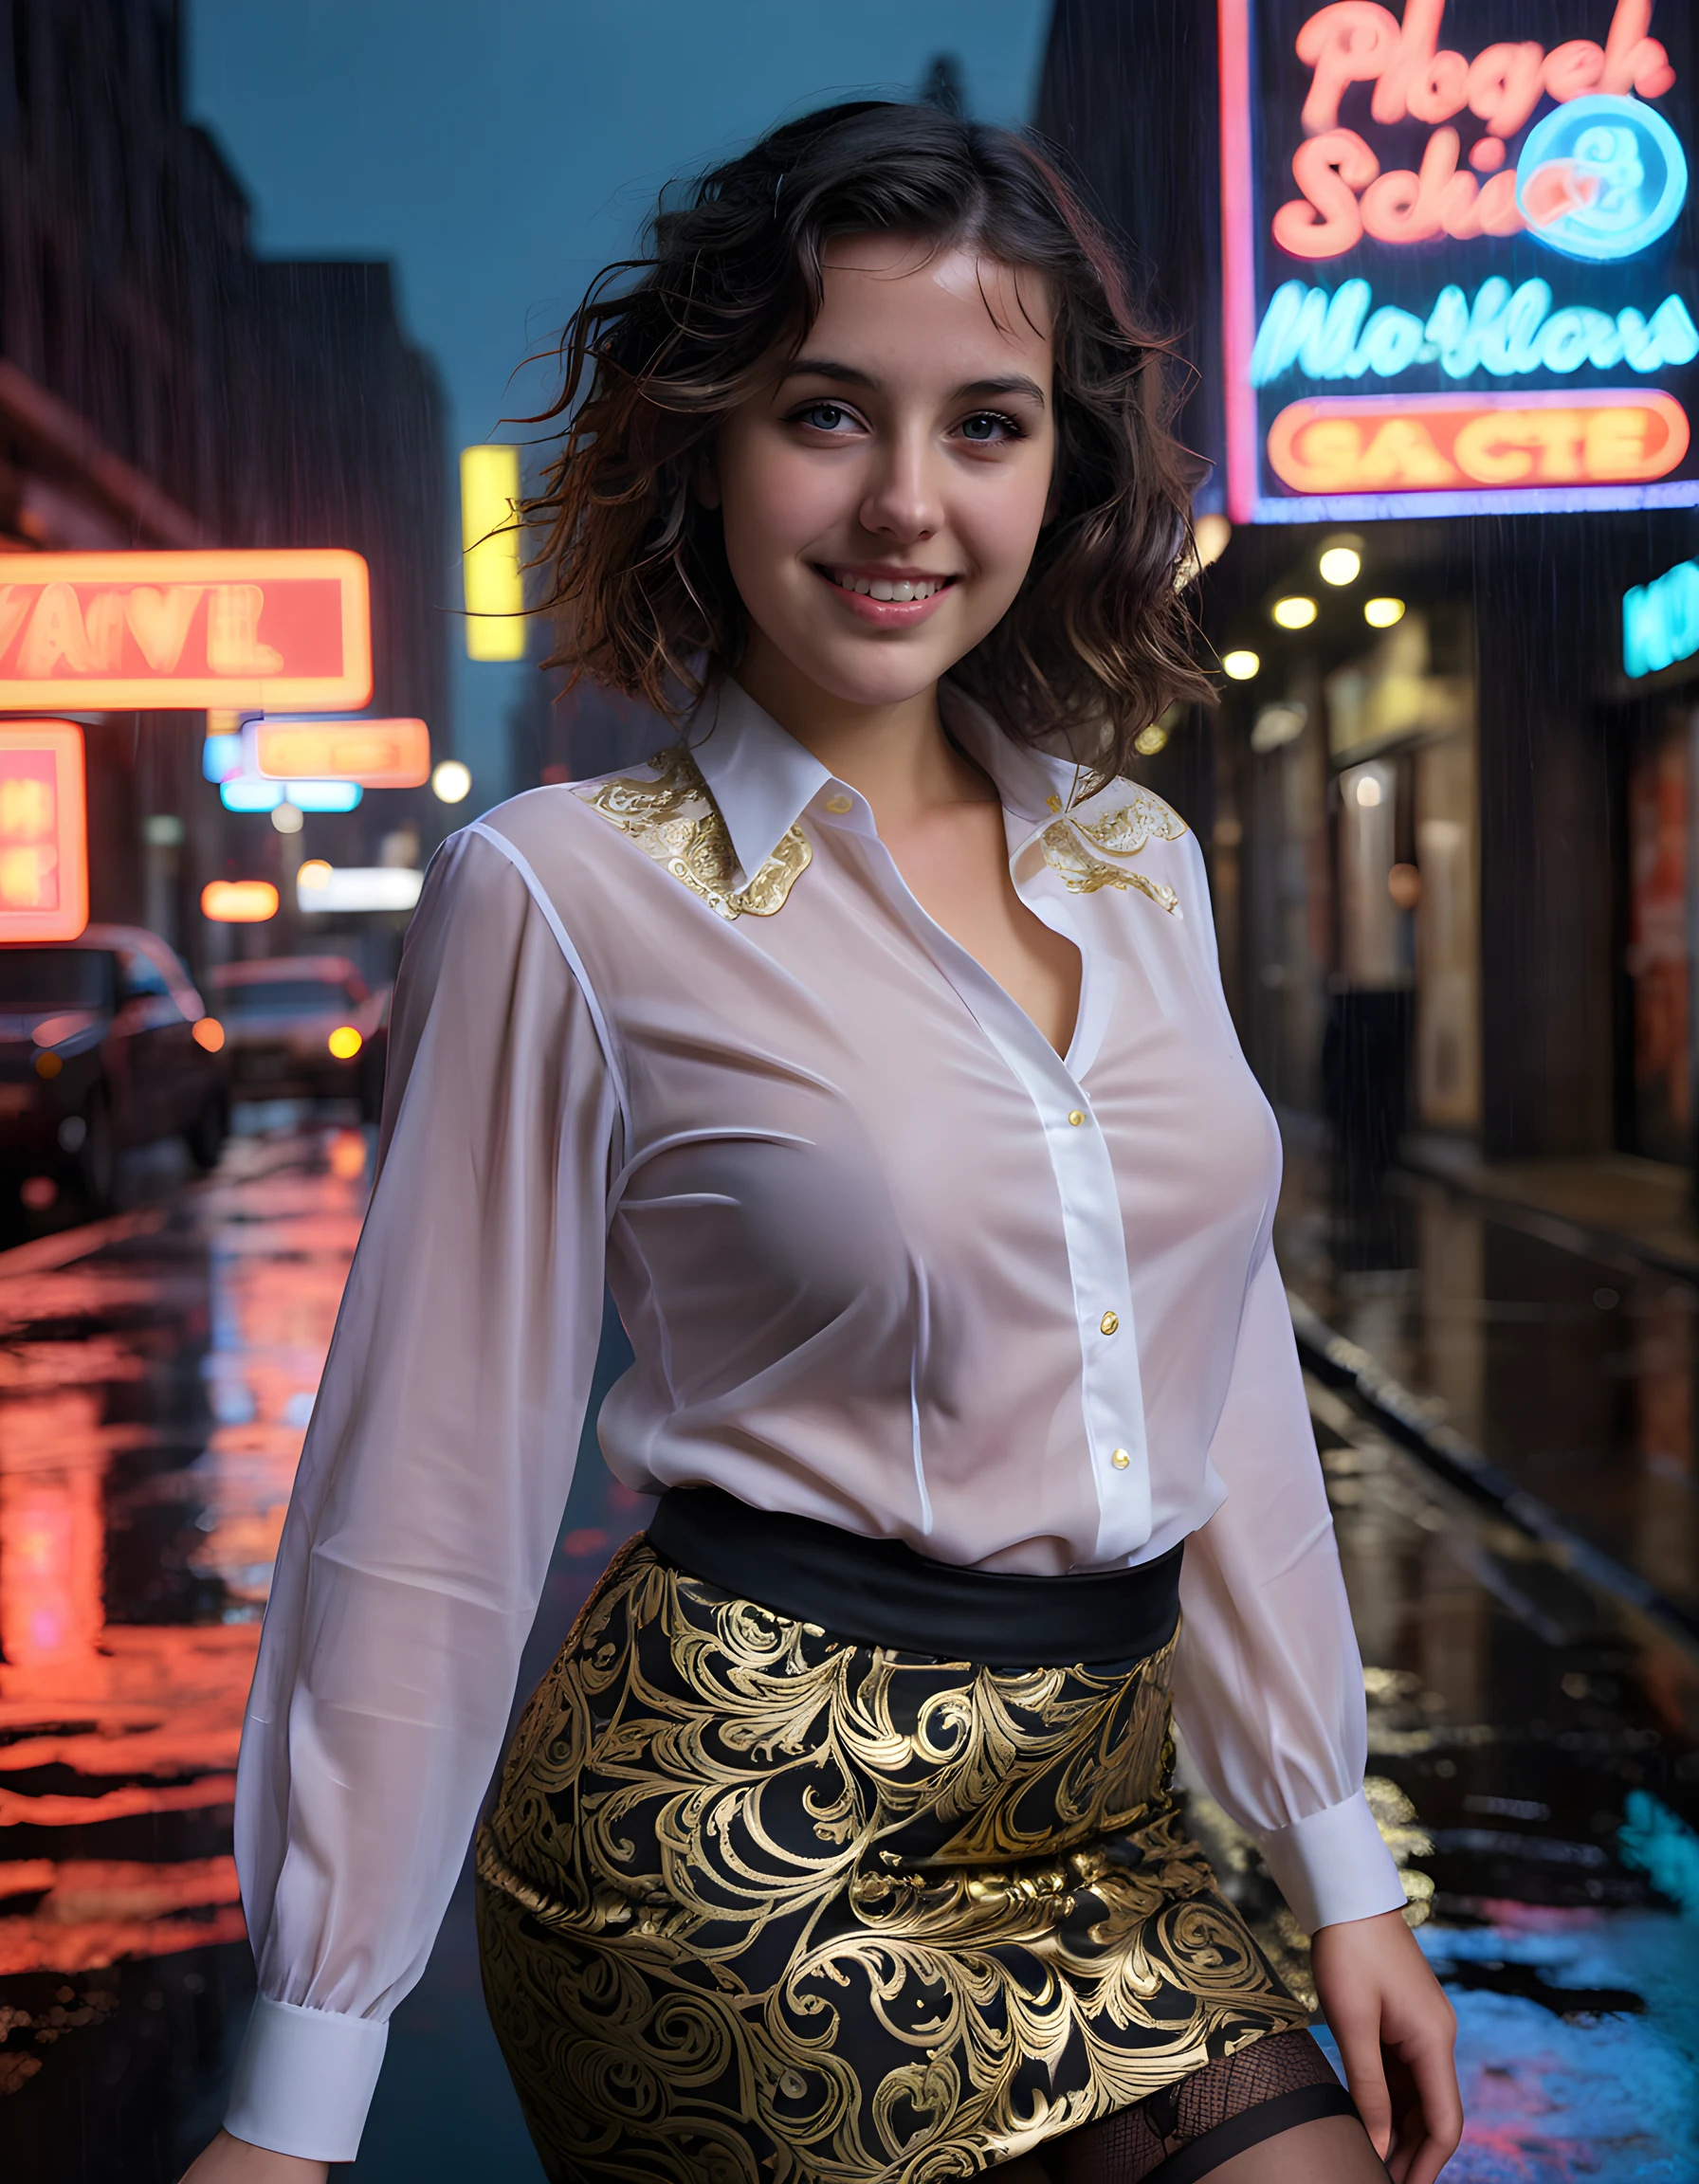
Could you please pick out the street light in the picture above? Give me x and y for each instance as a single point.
(1239, 666)
(1341, 565)
(1382, 613)
(452, 782)
(1295, 613)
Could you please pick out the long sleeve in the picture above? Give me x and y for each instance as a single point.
(429, 1497)
(1268, 1681)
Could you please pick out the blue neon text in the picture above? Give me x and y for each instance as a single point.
(1506, 330)
(1660, 620)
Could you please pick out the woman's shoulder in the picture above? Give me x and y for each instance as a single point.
(565, 836)
(1126, 837)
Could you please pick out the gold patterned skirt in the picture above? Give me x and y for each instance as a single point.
(761, 1905)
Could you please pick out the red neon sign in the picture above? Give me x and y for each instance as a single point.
(234, 630)
(1552, 284)
(1427, 443)
(44, 831)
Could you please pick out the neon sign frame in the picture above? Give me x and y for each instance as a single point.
(1254, 492)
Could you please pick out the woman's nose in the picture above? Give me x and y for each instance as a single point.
(902, 499)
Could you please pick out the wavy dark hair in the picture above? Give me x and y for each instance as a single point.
(1096, 643)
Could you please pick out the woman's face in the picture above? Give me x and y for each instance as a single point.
(883, 495)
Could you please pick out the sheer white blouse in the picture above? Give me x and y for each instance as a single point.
(885, 1259)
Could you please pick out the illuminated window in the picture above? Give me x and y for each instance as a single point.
(323, 888)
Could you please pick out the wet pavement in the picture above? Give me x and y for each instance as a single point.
(1534, 1739)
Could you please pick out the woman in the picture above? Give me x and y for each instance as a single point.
(871, 1042)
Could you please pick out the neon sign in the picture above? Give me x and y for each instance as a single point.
(1660, 621)
(1460, 219)
(1504, 331)
(44, 831)
(222, 628)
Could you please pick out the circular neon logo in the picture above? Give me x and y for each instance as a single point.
(1600, 178)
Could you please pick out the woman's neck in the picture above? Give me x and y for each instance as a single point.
(896, 755)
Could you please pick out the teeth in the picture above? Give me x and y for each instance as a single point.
(900, 589)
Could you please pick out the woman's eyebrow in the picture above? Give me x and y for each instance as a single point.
(826, 368)
(1013, 383)
(972, 390)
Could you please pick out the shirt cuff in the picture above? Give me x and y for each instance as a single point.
(304, 2081)
(1333, 1866)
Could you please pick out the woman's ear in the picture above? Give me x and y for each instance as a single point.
(704, 481)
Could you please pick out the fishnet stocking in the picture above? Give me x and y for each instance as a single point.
(1127, 2147)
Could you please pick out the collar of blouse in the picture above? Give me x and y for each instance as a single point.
(762, 781)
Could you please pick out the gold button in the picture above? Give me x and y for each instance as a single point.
(1121, 1458)
(840, 803)
(1109, 1321)
(1076, 1118)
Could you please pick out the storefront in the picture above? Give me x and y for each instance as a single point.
(1447, 339)
(1652, 703)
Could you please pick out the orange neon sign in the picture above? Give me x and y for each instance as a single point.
(1436, 442)
(238, 902)
(376, 754)
(44, 831)
(226, 629)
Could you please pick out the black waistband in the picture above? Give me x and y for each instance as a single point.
(881, 1592)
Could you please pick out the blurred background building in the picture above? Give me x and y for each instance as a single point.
(161, 386)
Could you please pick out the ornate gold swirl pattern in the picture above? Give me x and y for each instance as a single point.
(674, 820)
(758, 1906)
(1072, 845)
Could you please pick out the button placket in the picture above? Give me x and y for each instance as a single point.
(1111, 1389)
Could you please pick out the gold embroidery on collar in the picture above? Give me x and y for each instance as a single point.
(1070, 844)
(674, 820)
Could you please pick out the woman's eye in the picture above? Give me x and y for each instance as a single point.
(823, 416)
(986, 426)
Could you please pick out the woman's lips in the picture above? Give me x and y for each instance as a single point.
(885, 613)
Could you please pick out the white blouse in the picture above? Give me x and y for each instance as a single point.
(885, 1259)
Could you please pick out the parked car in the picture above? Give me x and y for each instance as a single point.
(104, 1044)
(304, 1028)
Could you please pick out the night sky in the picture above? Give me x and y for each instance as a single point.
(499, 151)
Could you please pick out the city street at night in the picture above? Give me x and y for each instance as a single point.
(1534, 1738)
(974, 731)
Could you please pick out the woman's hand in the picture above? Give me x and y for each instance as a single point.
(1396, 2032)
(231, 2160)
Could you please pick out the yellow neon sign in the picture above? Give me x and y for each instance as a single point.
(489, 498)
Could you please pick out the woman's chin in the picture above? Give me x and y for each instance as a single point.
(879, 669)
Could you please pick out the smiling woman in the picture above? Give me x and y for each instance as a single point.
(869, 1040)
(1045, 392)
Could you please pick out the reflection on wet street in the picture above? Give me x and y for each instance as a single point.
(1534, 1738)
(155, 1380)
(1568, 1363)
